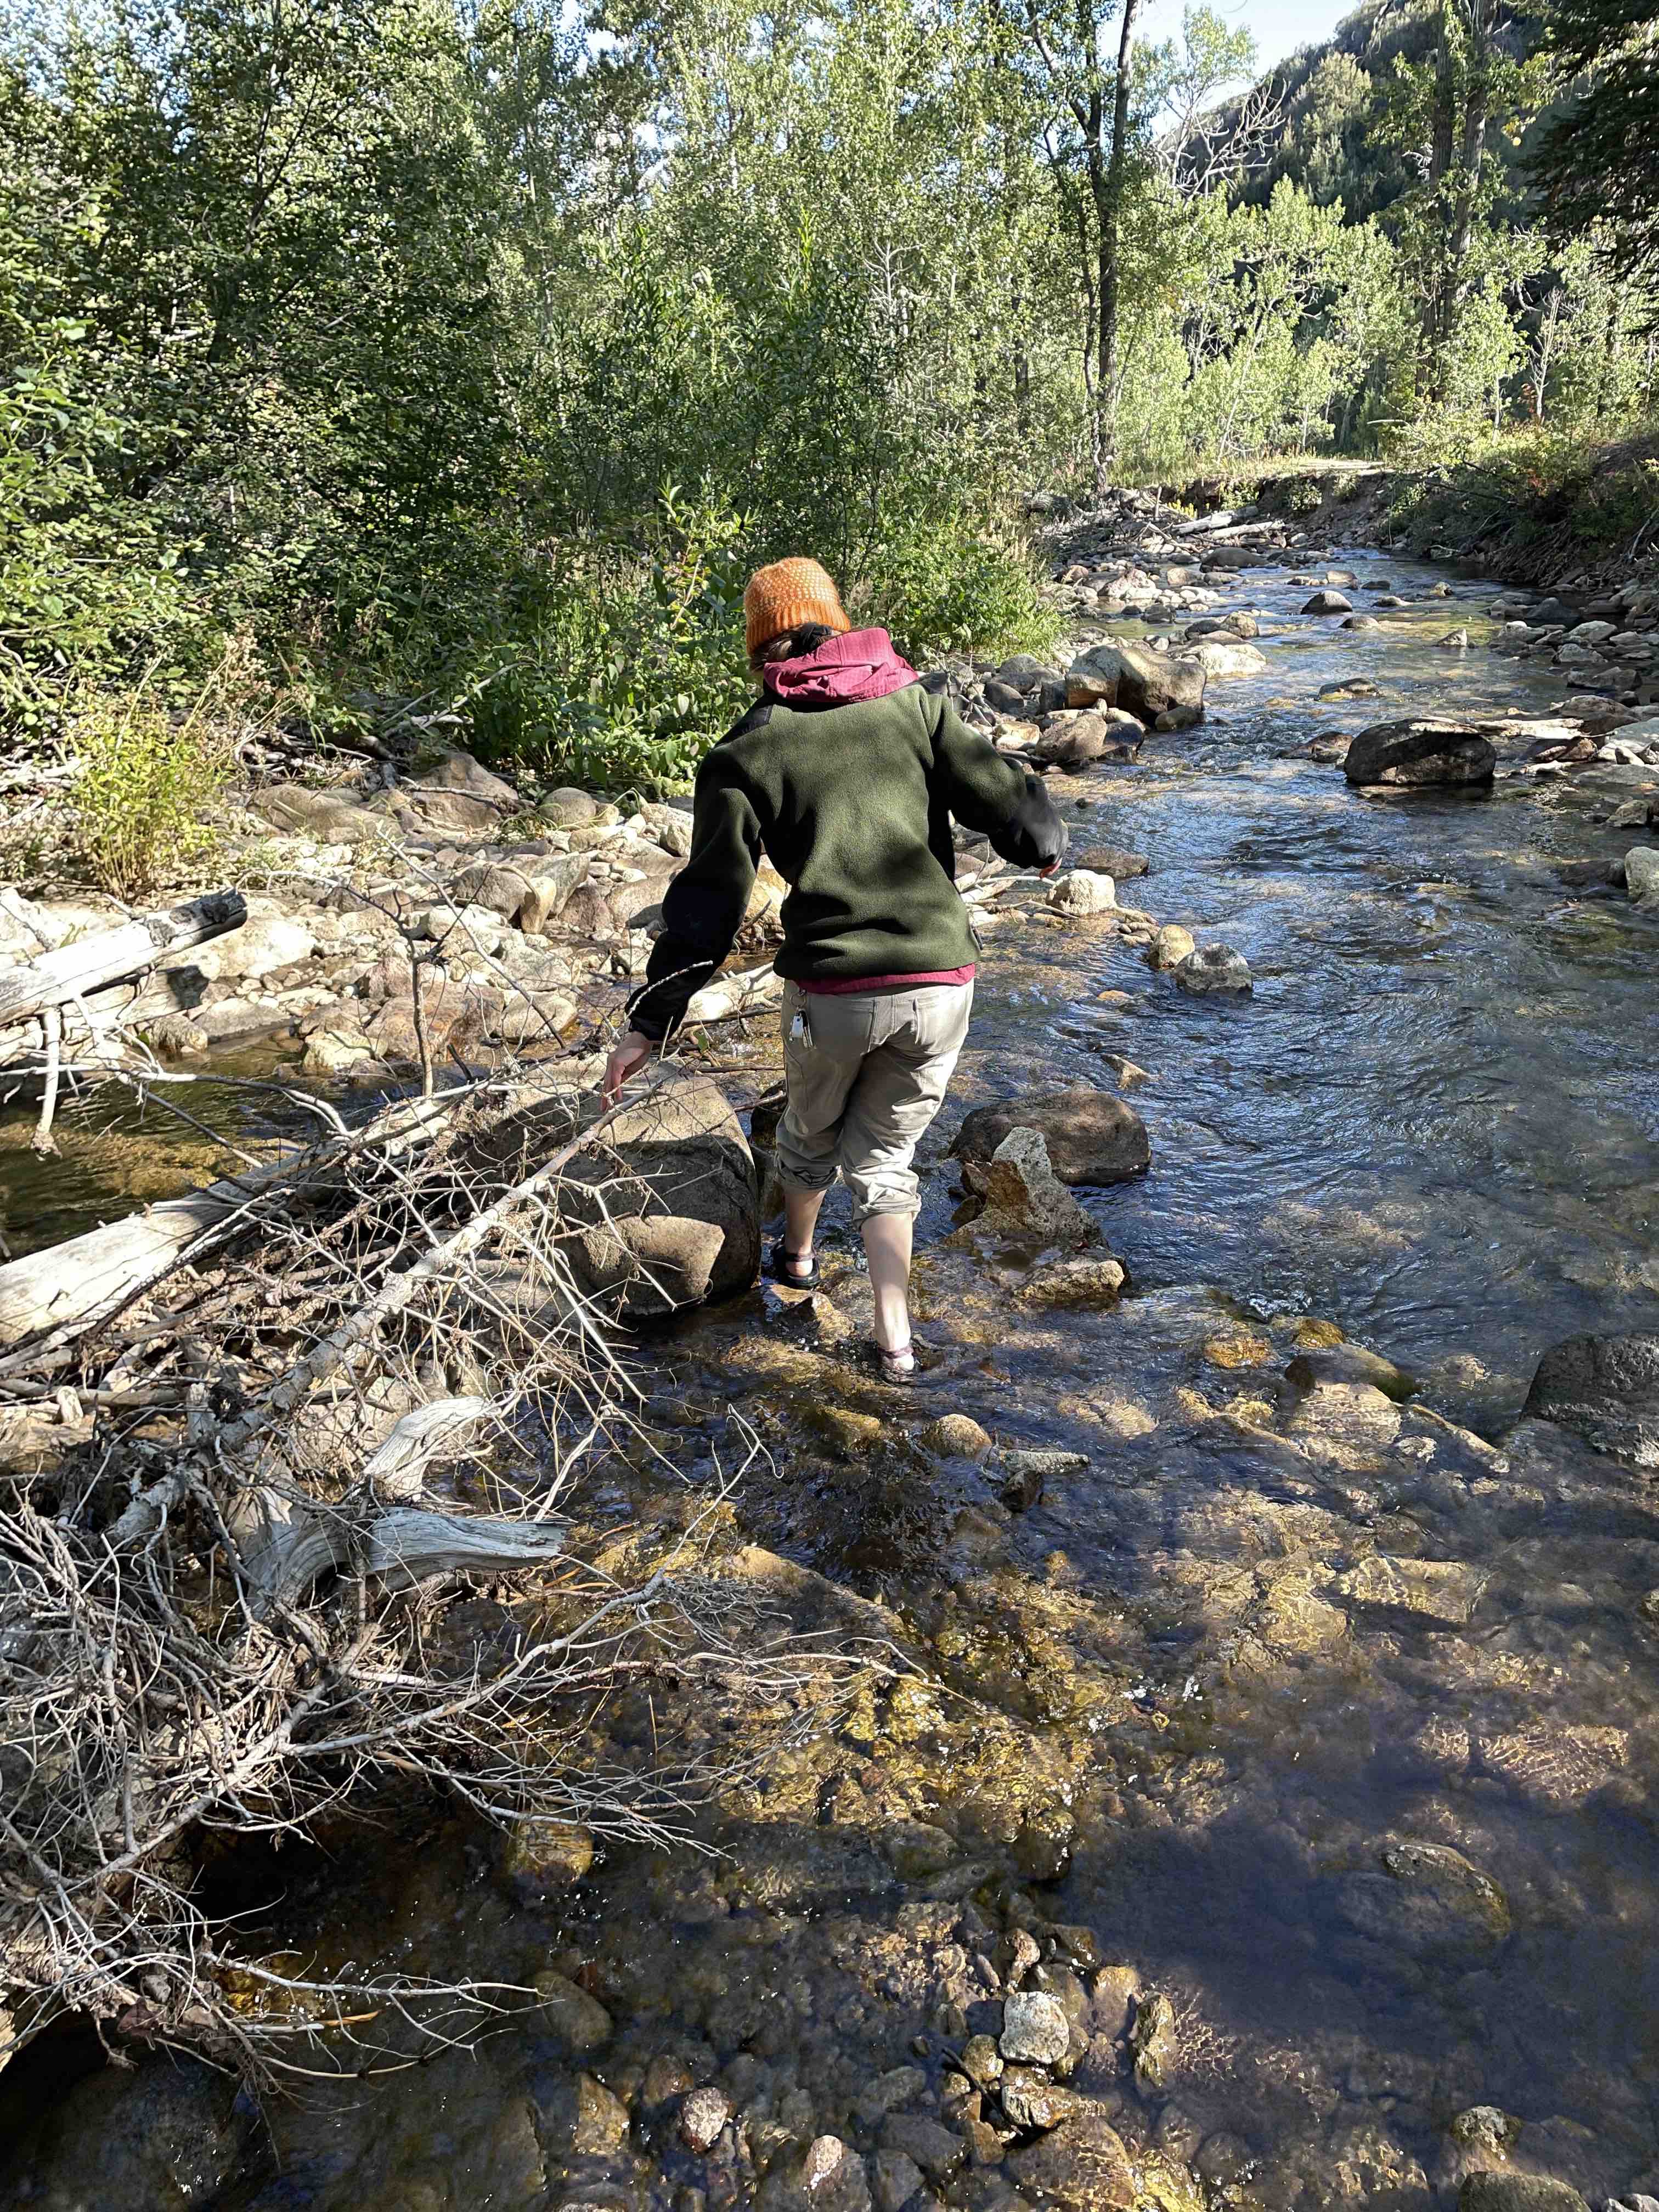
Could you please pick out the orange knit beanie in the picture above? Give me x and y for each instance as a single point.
(784, 596)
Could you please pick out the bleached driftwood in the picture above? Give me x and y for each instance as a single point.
(88, 964)
(71, 1285)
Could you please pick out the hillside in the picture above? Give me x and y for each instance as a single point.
(1338, 96)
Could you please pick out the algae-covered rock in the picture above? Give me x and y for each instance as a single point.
(1081, 2166)
(1153, 2042)
(1428, 1899)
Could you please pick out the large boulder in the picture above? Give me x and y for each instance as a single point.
(1136, 678)
(1607, 1389)
(1409, 756)
(1093, 1137)
(332, 817)
(1642, 877)
(1221, 657)
(456, 792)
(682, 1196)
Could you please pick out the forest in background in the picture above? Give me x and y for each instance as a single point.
(477, 349)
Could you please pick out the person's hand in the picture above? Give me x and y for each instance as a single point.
(626, 1059)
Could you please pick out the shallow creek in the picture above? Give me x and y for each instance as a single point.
(1344, 1739)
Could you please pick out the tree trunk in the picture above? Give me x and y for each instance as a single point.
(1109, 204)
(1471, 155)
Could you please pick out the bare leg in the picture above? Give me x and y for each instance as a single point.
(887, 1242)
(801, 1219)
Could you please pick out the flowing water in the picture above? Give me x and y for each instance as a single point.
(1387, 1845)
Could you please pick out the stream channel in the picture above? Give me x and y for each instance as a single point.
(1344, 1740)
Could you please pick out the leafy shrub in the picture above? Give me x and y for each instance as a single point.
(948, 585)
(142, 780)
(629, 665)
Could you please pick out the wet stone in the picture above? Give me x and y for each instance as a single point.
(897, 2178)
(1350, 1423)
(933, 2148)
(888, 2091)
(1081, 2166)
(1031, 2100)
(1214, 967)
(580, 2022)
(1152, 2042)
(1348, 1362)
(702, 2115)
(1428, 1899)
(955, 1436)
(1440, 1593)
(982, 2062)
(540, 1856)
(1170, 946)
(828, 2178)
(1035, 2028)
(1517, 2192)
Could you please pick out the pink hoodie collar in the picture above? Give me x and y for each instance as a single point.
(861, 664)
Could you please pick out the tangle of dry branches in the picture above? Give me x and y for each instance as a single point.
(365, 1389)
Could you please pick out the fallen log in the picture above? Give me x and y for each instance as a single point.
(110, 956)
(86, 1279)
(1207, 524)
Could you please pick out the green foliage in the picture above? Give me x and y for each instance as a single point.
(1597, 155)
(1538, 501)
(626, 669)
(372, 333)
(142, 780)
(1292, 495)
(946, 585)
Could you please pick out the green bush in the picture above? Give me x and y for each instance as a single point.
(629, 666)
(948, 585)
(141, 783)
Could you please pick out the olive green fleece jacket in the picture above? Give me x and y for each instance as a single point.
(852, 805)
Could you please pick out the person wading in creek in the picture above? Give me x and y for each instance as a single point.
(846, 773)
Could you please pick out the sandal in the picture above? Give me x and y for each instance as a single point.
(779, 1268)
(902, 1367)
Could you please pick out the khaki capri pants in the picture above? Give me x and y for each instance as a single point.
(865, 1082)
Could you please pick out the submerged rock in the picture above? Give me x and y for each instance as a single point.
(1082, 2165)
(1441, 1593)
(1092, 1138)
(702, 2115)
(1035, 2029)
(1152, 2041)
(1411, 755)
(1214, 967)
(1114, 861)
(827, 2177)
(1428, 1899)
(1518, 2192)
(1606, 1389)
